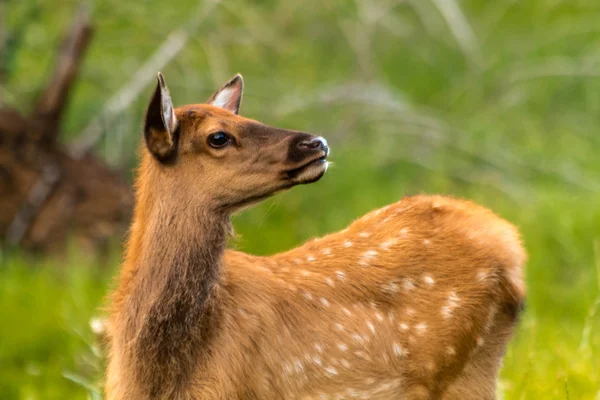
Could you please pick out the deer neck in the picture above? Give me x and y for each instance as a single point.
(172, 304)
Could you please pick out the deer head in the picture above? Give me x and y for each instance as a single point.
(208, 153)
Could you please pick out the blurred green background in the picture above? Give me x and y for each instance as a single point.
(496, 101)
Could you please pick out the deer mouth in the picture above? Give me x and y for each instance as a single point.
(310, 172)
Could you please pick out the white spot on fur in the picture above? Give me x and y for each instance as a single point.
(399, 351)
(345, 363)
(318, 347)
(450, 350)
(371, 326)
(306, 294)
(403, 326)
(340, 275)
(379, 316)
(326, 251)
(421, 327)
(342, 347)
(324, 302)
(299, 366)
(304, 272)
(364, 234)
(357, 338)
(391, 316)
(330, 282)
(428, 280)
(346, 311)
(347, 244)
(390, 287)
(453, 297)
(339, 326)
(426, 241)
(331, 370)
(388, 243)
(317, 360)
(410, 312)
(451, 304)
(480, 341)
(367, 256)
(403, 231)
(408, 284)
(310, 258)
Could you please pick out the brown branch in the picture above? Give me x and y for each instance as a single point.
(52, 102)
(38, 194)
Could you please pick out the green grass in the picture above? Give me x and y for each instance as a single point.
(47, 349)
(498, 102)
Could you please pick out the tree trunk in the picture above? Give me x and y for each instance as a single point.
(46, 194)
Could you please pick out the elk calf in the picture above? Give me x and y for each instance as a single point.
(416, 300)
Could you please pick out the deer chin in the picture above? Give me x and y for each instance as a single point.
(242, 205)
(246, 204)
(310, 172)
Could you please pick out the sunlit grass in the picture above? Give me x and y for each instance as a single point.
(47, 349)
(494, 101)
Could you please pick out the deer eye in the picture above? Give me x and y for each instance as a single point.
(219, 139)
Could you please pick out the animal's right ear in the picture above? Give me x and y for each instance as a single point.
(161, 124)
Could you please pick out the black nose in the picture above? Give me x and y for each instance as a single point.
(318, 143)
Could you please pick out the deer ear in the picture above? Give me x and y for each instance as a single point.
(161, 124)
(229, 96)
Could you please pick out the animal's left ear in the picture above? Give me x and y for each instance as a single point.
(229, 96)
(161, 123)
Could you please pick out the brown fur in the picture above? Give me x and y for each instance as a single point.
(413, 301)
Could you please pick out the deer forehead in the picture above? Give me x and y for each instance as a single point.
(201, 111)
(202, 119)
